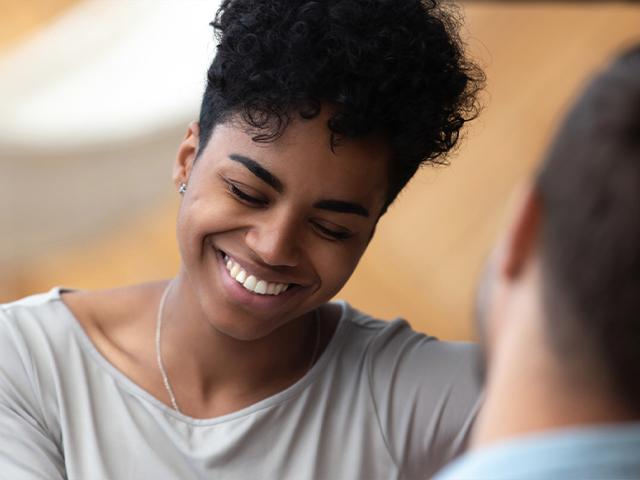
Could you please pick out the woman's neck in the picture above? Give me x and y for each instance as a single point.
(210, 371)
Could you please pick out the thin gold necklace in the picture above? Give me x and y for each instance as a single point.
(163, 372)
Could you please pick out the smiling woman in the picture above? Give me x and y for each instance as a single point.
(293, 212)
(316, 114)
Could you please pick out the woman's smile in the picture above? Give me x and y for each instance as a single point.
(253, 283)
(253, 286)
(268, 232)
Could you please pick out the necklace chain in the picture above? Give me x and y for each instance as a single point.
(163, 371)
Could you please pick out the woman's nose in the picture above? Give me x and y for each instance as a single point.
(276, 242)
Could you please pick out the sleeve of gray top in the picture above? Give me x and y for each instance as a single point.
(27, 451)
(426, 395)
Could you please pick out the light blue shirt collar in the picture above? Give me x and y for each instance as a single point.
(603, 452)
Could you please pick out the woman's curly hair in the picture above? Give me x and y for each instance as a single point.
(390, 67)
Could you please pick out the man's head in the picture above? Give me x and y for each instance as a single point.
(571, 255)
(395, 69)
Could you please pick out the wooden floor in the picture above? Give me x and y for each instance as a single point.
(430, 247)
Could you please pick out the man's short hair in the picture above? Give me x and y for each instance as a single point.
(589, 189)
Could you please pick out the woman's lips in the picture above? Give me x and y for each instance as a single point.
(240, 293)
(251, 282)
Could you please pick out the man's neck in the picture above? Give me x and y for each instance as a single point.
(529, 390)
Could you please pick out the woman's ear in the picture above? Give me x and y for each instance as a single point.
(186, 155)
(521, 237)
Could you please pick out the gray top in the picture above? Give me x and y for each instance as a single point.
(382, 402)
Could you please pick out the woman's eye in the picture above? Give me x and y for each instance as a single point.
(332, 234)
(245, 197)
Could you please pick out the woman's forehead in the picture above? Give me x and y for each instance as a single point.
(305, 146)
(303, 158)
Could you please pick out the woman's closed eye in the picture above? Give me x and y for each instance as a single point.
(331, 233)
(247, 198)
(246, 195)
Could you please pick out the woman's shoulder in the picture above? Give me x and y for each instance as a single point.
(38, 312)
(35, 336)
(32, 301)
(61, 314)
(425, 391)
(38, 335)
(369, 326)
(50, 309)
(110, 311)
(398, 334)
(118, 322)
(47, 335)
(393, 349)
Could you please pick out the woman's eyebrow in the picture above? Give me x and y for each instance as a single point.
(341, 206)
(259, 171)
(270, 179)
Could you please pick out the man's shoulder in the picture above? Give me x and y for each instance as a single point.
(607, 451)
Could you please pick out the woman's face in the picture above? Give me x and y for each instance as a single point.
(270, 231)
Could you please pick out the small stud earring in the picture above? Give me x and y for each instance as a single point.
(182, 188)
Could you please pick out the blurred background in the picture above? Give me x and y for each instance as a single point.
(95, 97)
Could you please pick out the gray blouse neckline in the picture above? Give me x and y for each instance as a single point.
(136, 390)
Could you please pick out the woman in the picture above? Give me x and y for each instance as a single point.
(315, 115)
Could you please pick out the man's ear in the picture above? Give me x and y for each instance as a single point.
(186, 155)
(521, 237)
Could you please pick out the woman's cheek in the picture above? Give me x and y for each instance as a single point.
(337, 266)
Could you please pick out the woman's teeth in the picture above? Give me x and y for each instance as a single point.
(252, 283)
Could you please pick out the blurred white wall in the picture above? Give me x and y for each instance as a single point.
(92, 108)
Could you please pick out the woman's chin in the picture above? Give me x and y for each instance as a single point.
(246, 328)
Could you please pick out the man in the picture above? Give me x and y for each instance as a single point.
(559, 307)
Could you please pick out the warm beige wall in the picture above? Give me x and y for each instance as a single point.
(426, 257)
(18, 18)
(429, 248)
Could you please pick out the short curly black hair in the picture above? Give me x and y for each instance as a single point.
(390, 67)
